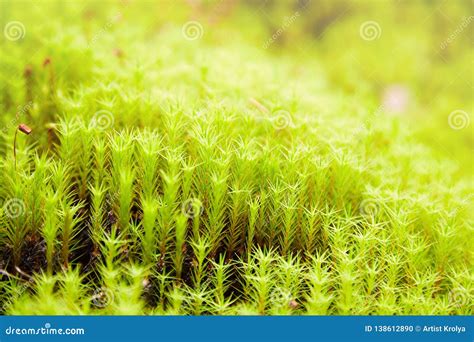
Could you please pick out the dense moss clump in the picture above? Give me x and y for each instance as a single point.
(210, 166)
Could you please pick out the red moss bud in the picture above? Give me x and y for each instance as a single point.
(24, 129)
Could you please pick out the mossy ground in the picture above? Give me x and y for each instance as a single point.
(208, 170)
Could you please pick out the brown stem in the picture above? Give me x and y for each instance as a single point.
(14, 147)
(24, 129)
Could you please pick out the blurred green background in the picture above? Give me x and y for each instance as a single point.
(412, 59)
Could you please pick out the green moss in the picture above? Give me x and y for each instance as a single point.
(211, 176)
